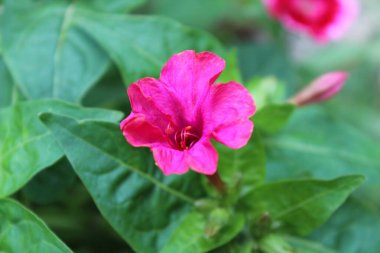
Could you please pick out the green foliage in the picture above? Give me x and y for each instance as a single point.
(59, 56)
(300, 206)
(133, 52)
(21, 229)
(352, 229)
(191, 235)
(25, 140)
(317, 144)
(273, 118)
(132, 194)
(243, 168)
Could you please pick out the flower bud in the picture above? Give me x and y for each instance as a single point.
(321, 89)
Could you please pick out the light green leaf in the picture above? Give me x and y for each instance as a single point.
(189, 237)
(26, 145)
(273, 118)
(275, 244)
(354, 228)
(244, 167)
(305, 246)
(22, 231)
(144, 206)
(139, 54)
(47, 56)
(319, 145)
(301, 205)
(266, 91)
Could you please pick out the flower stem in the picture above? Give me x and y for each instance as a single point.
(217, 182)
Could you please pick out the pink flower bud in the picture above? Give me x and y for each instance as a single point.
(322, 19)
(321, 89)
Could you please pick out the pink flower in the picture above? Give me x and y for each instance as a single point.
(323, 19)
(177, 115)
(321, 89)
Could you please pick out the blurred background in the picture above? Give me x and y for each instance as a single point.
(337, 138)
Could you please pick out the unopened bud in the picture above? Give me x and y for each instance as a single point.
(321, 89)
(217, 220)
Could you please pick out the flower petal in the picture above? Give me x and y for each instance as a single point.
(140, 133)
(145, 105)
(227, 118)
(170, 161)
(163, 100)
(189, 75)
(235, 135)
(202, 157)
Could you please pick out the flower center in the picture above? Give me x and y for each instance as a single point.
(185, 138)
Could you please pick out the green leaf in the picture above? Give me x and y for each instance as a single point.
(301, 205)
(232, 71)
(316, 144)
(266, 91)
(354, 228)
(51, 184)
(144, 206)
(133, 51)
(22, 231)
(189, 237)
(27, 146)
(111, 6)
(47, 56)
(273, 118)
(275, 244)
(305, 246)
(244, 167)
(6, 85)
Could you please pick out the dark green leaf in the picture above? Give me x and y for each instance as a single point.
(27, 146)
(51, 184)
(301, 205)
(190, 236)
(140, 45)
(273, 118)
(47, 56)
(144, 206)
(22, 231)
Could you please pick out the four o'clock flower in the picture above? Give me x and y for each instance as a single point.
(178, 115)
(321, 89)
(322, 19)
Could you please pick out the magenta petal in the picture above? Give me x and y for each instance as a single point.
(189, 75)
(235, 135)
(230, 106)
(157, 93)
(203, 158)
(140, 133)
(170, 161)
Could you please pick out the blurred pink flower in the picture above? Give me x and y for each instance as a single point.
(322, 19)
(321, 89)
(177, 115)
